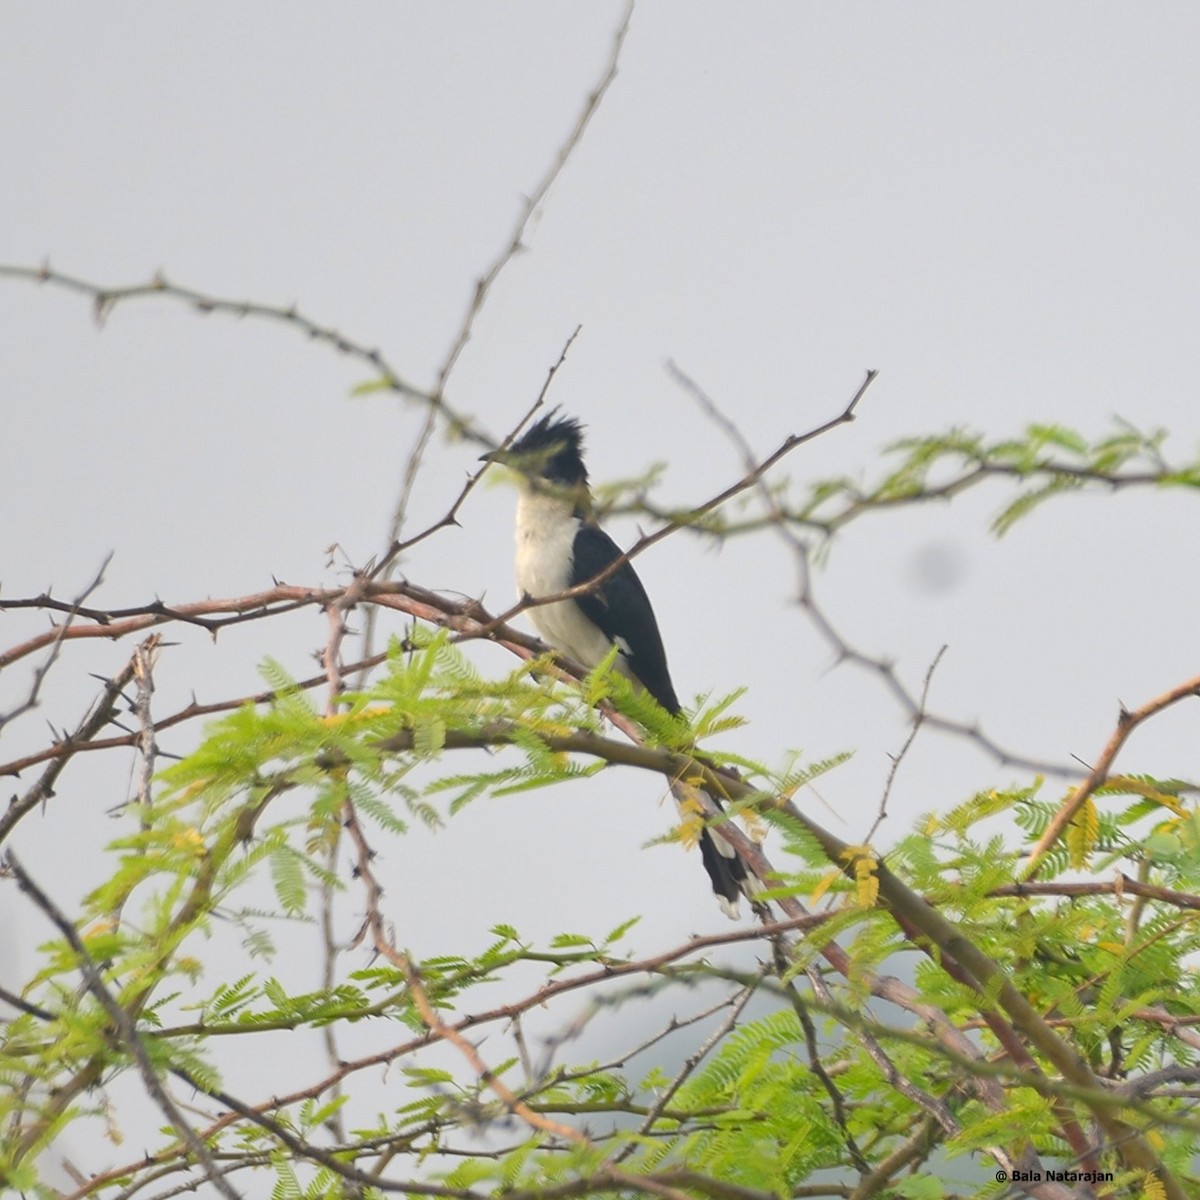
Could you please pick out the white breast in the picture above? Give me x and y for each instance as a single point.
(546, 530)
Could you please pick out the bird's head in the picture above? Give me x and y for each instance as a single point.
(549, 452)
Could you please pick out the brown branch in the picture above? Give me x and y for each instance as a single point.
(1121, 886)
(1174, 1024)
(1127, 722)
(937, 936)
(255, 607)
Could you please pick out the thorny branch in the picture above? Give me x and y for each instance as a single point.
(105, 298)
(484, 285)
(64, 749)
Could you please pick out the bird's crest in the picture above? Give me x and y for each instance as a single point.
(551, 449)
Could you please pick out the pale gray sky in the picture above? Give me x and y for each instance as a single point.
(993, 205)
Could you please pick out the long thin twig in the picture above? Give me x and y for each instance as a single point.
(917, 721)
(514, 244)
(106, 297)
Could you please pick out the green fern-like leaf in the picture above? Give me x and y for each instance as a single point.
(287, 873)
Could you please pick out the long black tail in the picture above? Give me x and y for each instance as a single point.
(731, 878)
(728, 873)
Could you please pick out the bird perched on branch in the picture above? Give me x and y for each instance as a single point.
(560, 546)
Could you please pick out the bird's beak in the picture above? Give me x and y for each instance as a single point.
(496, 456)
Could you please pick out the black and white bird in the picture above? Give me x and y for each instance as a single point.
(560, 546)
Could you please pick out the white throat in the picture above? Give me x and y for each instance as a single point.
(546, 528)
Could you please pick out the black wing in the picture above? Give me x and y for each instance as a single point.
(621, 608)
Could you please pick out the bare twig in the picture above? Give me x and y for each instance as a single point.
(514, 244)
(1123, 885)
(917, 720)
(385, 568)
(115, 626)
(107, 297)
